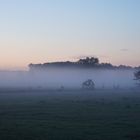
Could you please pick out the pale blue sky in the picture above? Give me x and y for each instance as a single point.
(39, 31)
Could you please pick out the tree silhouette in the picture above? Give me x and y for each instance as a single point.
(89, 61)
(137, 76)
(89, 84)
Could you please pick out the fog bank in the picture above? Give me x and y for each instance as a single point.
(69, 78)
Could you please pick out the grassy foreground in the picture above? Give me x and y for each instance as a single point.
(70, 115)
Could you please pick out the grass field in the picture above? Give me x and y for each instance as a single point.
(70, 115)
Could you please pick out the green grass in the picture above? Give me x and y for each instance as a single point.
(70, 115)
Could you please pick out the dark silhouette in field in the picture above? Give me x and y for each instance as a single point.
(89, 84)
(137, 76)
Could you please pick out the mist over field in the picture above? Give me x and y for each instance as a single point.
(68, 78)
(69, 70)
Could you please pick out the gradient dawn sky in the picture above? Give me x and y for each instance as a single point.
(38, 31)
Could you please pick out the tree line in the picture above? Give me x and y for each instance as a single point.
(88, 62)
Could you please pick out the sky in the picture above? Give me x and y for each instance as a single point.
(40, 31)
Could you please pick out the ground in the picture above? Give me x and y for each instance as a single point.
(70, 115)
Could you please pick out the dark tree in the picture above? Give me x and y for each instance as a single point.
(137, 75)
(89, 84)
(89, 61)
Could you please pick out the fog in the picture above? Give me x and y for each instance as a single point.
(68, 78)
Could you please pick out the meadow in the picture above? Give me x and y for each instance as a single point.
(102, 114)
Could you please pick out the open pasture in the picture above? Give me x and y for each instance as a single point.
(70, 115)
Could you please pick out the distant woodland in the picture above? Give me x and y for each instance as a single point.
(88, 62)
